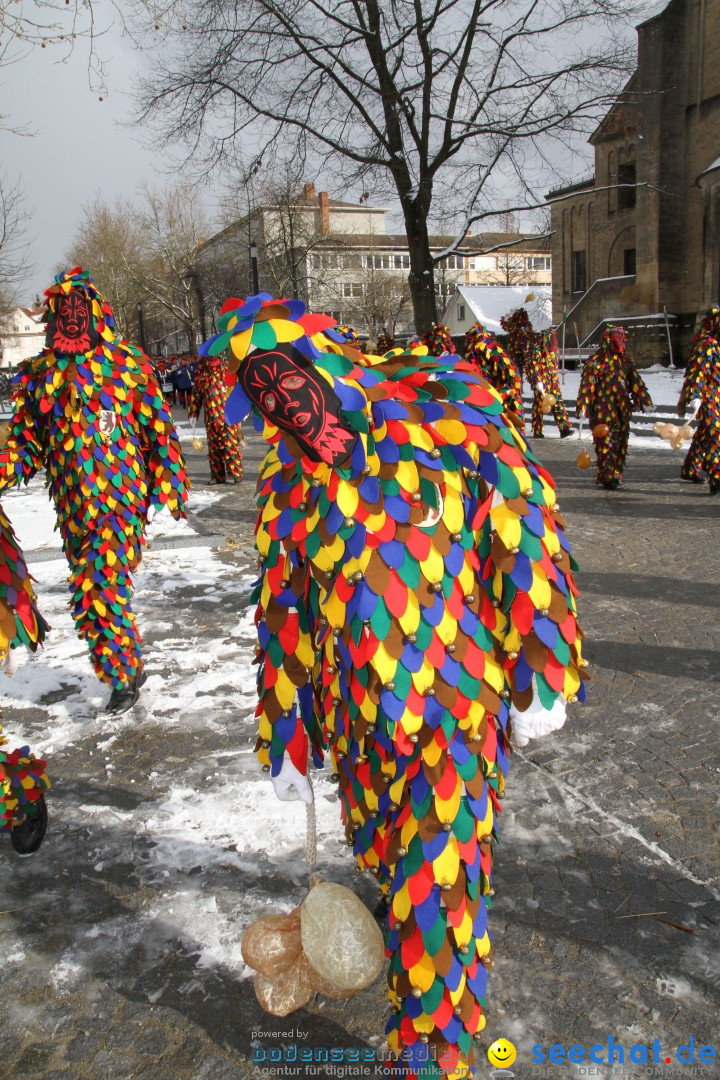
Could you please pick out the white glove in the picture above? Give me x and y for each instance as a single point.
(536, 721)
(694, 407)
(541, 386)
(290, 784)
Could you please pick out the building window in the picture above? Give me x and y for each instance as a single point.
(461, 312)
(483, 262)
(579, 271)
(629, 262)
(401, 262)
(379, 262)
(538, 262)
(626, 195)
(454, 262)
(351, 288)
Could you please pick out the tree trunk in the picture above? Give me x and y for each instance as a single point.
(421, 278)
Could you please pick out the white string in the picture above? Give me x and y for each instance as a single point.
(311, 839)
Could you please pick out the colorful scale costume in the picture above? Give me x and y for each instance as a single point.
(385, 343)
(482, 348)
(438, 340)
(23, 780)
(610, 387)
(542, 373)
(702, 383)
(223, 439)
(95, 419)
(519, 330)
(415, 579)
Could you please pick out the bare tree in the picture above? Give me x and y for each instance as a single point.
(437, 101)
(144, 254)
(58, 24)
(13, 242)
(110, 245)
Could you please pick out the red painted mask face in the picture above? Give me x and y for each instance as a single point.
(617, 340)
(71, 329)
(289, 393)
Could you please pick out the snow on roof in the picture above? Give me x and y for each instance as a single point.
(489, 302)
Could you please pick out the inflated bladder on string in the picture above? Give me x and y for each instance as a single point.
(340, 937)
(330, 945)
(284, 993)
(584, 461)
(272, 943)
(601, 431)
(548, 403)
(673, 434)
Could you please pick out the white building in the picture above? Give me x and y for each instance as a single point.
(22, 334)
(340, 259)
(487, 303)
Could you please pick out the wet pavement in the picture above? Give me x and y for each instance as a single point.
(607, 914)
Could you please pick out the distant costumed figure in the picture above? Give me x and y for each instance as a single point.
(544, 378)
(223, 440)
(438, 341)
(23, 780)
(415, 613)
(520, 346)
(700, 397)
(384, 344)
(90, 411)
(482, 349)
(347, 333)
(610, 389)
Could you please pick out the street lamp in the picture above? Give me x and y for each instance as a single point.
(254, 268)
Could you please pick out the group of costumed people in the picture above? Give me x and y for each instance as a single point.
(416, 611)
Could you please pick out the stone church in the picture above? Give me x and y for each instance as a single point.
(639, 240)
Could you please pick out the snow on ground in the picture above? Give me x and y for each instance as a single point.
(33, 517)
(663, 383)
(209, 813)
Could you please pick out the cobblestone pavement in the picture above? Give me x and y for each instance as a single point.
(613, 818)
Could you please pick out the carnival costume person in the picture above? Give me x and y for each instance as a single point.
(415, 612)
(385, 343)
(519, 330)
(438, 341)
(542, 373)
(700, 396)
(89, 410)
(23, 780)
(223, 439)
(610, 387)
(482, 349)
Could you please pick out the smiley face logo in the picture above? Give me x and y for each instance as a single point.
(502, 1053)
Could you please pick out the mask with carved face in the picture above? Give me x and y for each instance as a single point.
(618, 339)
(70, 329)
(292, 395)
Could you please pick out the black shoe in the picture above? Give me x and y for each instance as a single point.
(612, 485)
(124, 696)
(692, 479)
(28, 837)
(380, 912)
(540, 436)
(714, 487)
(213, 481)
(567, 432)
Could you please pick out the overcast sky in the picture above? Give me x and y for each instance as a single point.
(77, 147)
